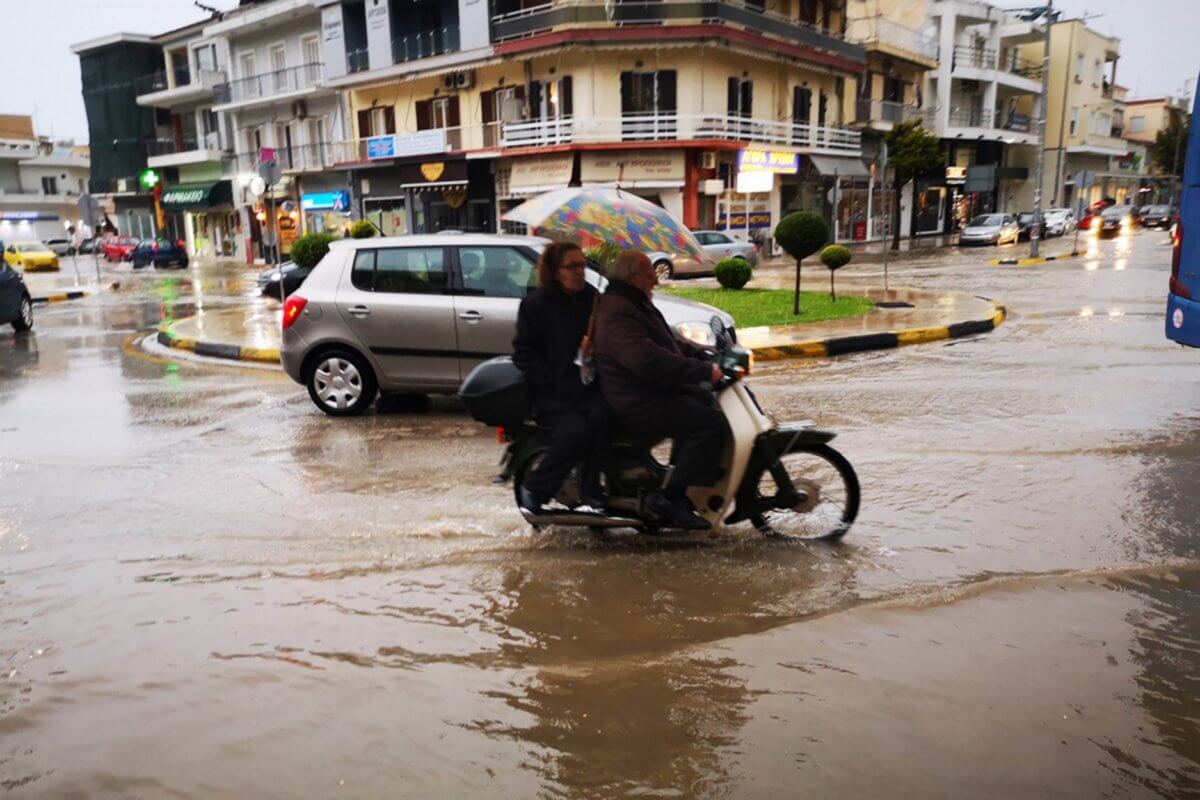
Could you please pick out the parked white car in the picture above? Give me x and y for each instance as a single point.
(1059, 221)
(60, 247)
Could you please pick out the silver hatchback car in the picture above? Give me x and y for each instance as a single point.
(416, 314)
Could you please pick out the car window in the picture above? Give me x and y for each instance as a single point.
(31, 248)
(987, 219)
(496, 271)
(400, 270)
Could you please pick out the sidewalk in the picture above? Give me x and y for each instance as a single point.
(932, 247)
(251, 333)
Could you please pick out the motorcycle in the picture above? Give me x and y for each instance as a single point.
(784, 479)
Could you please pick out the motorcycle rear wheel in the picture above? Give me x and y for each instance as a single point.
(829, 499)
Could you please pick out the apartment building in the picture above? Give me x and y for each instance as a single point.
(983, 92)
(40, 182)
(1085, 124)
(728, 115)
(901, 43)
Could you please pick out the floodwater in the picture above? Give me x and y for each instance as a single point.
(208, 589)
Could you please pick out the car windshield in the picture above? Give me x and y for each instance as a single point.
(1160, 210)
(1113, 213)
(987, 220)
(30, 247)
(1025, 218)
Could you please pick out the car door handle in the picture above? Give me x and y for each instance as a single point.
(360, 311)
(471, 316)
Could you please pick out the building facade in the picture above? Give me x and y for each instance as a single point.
(40, 182)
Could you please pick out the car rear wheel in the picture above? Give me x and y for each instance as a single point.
(341, 383)
(664, 270)
(24, 320)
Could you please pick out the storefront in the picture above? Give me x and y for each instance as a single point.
(326, 212)
(23, 225)
(519, 179)
(656, 175)
(427, 196)
(211, 226)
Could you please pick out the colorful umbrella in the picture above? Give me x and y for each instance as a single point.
(594, 215)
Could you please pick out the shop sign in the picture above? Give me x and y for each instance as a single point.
(541, 174)
(956, 174)
(418, 176)
(381, 147)
(433, 171)
(776, 161)
(980, 178)
(27, 216)
(754, 182)
(1130, 161)
(326, 201)
(184, 197)
(633, 167)
(758, 219)
(455, 196)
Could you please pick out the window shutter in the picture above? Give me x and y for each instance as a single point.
(747, 98)
(666, 91)
(821, 108)
(565, 102)
(389, 119)
(424, 115)
(801, 104)
(627, 102)
(535, 100)
(732, 97)
(453, 118)
(364, 123)
(488, 100)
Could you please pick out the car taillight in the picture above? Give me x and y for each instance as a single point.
(1177, 288)
(180, 244)
(156, 247)
(292, 309)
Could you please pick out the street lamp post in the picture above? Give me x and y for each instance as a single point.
(1034, 233)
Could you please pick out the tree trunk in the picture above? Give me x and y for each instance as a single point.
(796, 300)
(896, 215)
(832, 291)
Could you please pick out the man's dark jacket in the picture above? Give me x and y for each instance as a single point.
(550, 326)
(642, 363)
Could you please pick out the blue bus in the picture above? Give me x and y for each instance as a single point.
(1183, 302)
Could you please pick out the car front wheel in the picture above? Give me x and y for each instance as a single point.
(663, 270)
(341, 383)
(24, 320)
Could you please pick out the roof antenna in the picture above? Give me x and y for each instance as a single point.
(215, 12)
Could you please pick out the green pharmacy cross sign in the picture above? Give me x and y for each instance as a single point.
(148, 179)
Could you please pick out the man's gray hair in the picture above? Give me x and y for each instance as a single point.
(626, 265)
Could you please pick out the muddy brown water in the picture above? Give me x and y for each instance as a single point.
(207, 589)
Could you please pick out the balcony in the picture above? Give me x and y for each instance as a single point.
(19, 149)
(968, 117)
(880, 33)
(1021, 67)
(425, 44)
(653, 13)
(302, 157)
(358, 60)
(665, 126)
(269, 86)
(177, 87)
(186, 150)
(884, 114)
(966, 57)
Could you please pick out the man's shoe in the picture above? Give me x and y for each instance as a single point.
(679, 512)
(530, 504)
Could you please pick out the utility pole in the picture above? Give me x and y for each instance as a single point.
(1034, 238)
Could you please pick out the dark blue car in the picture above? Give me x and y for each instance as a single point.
(16, 306)
(159, 253)
(1183, 301)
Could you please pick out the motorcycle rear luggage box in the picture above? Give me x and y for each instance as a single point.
(495, 393)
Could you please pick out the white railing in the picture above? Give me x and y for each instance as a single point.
(872, 110)
(681, 127)
(880, 30)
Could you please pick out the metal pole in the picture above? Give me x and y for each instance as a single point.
(1041, 154)
(887, 225)
(1176, 180)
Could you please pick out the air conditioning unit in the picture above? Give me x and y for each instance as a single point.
(448, 81)
(122, 185)
(300, 109)
(464, 80)
(708, 160)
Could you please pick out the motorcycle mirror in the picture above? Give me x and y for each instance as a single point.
(718, 327)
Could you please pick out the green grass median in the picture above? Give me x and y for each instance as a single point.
(751, 308)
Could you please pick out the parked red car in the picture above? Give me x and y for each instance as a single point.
(119, 248)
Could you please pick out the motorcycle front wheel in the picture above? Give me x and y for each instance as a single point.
(811, 493)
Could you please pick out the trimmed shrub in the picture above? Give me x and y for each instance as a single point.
(834, 258)
(732, 273)
(307, 251)
(362, 229)
(801, 234)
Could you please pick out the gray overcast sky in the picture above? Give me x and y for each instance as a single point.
(41, 75)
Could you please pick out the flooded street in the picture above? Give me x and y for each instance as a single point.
(209, 589)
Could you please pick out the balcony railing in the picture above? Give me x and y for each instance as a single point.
(882, 31)
(268, 84)
(626, 13)
(425, 44)
(665, 126)
(973, 58)
(185, 144)
(1023, 67)
(300, 157)
(970, 118)
(1021, 123)
(163, 80)
(358, 60)
(871, 110)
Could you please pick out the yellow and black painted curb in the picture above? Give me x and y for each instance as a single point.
(232, 352)
(843, 345)
(1032, 262)
(61, 297)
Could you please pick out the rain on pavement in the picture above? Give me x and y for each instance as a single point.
(209, 589)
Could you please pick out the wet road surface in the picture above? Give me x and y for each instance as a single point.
(208, 589)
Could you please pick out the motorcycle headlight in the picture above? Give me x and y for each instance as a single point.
(698, 332)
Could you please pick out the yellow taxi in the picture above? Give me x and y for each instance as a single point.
(31, 256)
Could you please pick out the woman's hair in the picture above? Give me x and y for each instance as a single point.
(626, 265)
(551, 260)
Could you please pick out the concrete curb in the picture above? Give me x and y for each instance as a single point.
(1032, 262)
(61, 297)
(823, 348)
(231, 352)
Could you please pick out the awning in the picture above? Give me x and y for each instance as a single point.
(196, 196)
(542, 174)
(842, 167)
